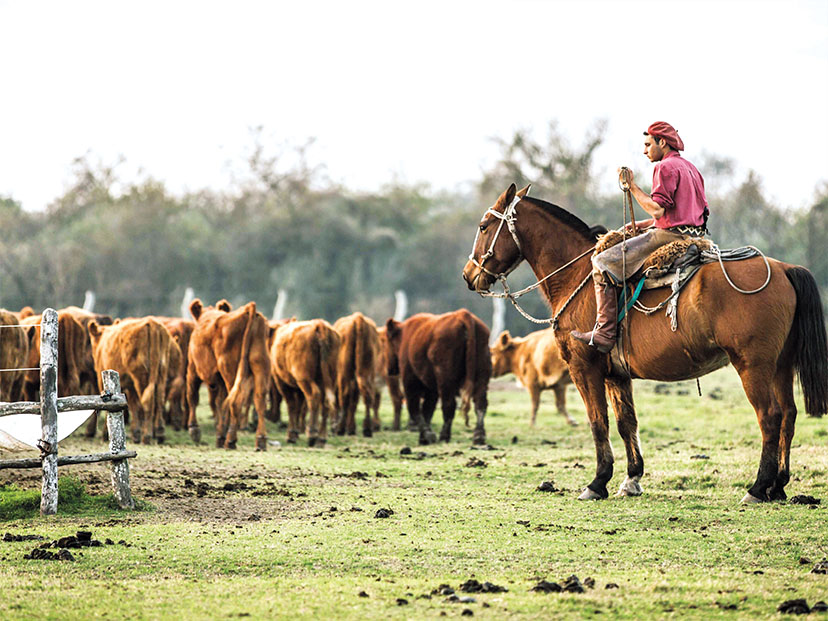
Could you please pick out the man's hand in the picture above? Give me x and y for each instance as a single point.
(625, 176)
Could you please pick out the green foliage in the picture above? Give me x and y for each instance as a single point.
(284, 226)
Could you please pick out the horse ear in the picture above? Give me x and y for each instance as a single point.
(522, 193)
(509, 194)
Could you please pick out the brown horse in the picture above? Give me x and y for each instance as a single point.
(767, 337)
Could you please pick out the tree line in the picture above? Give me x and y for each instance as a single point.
(284, 226)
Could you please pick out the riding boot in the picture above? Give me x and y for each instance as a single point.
(602, 336)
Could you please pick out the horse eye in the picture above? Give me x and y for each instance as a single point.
(483, 228)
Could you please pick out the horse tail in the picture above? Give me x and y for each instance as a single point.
(809, 342)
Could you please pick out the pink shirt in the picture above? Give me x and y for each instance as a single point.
(678, 188)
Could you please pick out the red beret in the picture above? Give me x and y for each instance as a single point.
(660, 129)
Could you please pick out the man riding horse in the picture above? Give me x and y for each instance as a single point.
(678, 208)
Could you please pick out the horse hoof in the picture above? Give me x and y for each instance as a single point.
(629, 487)
(261, 443)
(195, 434)
(750, 499)
(588, 494)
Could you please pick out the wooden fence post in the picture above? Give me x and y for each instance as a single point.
(48, 411)
(117, 443)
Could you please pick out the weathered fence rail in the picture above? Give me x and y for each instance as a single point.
(112, 401)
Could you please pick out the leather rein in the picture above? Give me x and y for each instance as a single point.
(509, 216)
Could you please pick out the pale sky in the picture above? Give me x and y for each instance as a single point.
(406, 90)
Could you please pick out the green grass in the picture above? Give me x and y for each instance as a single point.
(686, 548)
(73, 499)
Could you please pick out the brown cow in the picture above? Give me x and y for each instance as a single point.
(138, 349)
(15, 343)
(74, 351)
(304, 358)
(382, 378)
(228, 351)
(437, 356)
(356, 368)
(176, 405)
(536, 361)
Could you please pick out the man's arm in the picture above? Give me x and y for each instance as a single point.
(641, 197)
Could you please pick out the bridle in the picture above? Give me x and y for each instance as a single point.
(509, 216)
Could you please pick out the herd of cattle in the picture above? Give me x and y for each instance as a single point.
(321, 371)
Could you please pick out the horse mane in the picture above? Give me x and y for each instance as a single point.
(568, 218)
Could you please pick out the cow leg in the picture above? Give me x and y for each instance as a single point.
(396, 396)
(481, 404)
(313, 397)
(261, 388)
(448, 399)
(427, 436)
(534, 397)
(219, 394)
(293, 402)
(193, 384)
(135, 414)
(159, 430)
(560, 403)
(368, 427)
(620, 395)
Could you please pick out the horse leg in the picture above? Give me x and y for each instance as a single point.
(757, 382)
(621, 398)
(591, 386)
(783, 391)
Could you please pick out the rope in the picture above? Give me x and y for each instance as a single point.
(20, 325)
(26, 369)
(730, 282)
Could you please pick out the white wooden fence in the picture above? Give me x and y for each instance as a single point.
(112, 401)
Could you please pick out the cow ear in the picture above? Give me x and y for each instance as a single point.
(522, 193)
(196, 308)
(94, 329)
(116, 322)
(504, 338)
(224, 305)
(26, 311)
(31, 332)
(392, 327)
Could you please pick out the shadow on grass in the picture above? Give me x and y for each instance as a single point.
(73, 499)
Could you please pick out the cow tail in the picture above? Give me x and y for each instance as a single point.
(471, 353)
(363, 375)
(325, 355)
(809, 342)
(243, 370)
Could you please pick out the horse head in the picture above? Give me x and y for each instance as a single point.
(495, 255)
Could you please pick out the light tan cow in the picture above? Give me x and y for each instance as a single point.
(304, 357)
(536, 361)
(228, 351)
(356, 370)
(14, 353)
(138, 349)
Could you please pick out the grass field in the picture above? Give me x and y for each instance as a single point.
(292, 533)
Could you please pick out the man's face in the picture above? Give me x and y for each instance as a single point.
(652, 149)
